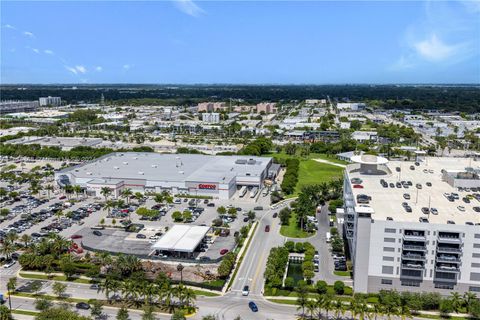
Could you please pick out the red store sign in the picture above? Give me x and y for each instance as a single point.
(207, 186)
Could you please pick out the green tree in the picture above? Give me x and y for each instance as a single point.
(5, 313)
(221, 210)
(122, 314)
(59, 313)
(302, 298)
(339, 287)
(11, 287)
(96, 308)
(321, 287)
(59, 289)
(42, 303)
(178, 315)
(284, 215)
(177, 216)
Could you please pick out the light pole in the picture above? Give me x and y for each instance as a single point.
(180, 268)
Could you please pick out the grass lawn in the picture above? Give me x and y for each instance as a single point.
(56, 278)
(292, 230)
(25, 312)
(342, 273)
(206, 293)
(283, 301)
(313, 172)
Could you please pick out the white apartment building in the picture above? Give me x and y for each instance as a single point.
(404, 233)
(213, 117)
(50, 101)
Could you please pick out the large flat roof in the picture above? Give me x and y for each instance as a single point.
(181, 238)
(387, 202)
(170, 167)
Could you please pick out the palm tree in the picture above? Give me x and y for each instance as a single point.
(456, 301)
(377, 310)
(302, 299)
(327, 303)
(339, 308)
(319, 304)
(311, 307)
(68, 190)
(11, 286)
(109, 204)
(105, 191)
(189, 296)
(26, 238)
(126, 193)
(468, 299)
(49, 188)
(77, 189)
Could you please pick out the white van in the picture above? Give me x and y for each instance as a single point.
(328, 237)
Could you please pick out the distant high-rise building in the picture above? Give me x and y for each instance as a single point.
(102, 100)
(50, 101)
(267, 107)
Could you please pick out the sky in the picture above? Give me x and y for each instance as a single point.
(240, 42)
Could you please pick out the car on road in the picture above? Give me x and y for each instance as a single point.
(94, 286)
(9, 264)
(253, 306)
(245, 219)
(275, 214)
(245, 291)
(82, 306)
(267, 228)
(76, 236)
(97, 233)
(223, 251)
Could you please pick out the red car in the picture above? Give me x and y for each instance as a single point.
(267, 228)
(62, 197)
(223, 251)
(357, 186)
(76, 236)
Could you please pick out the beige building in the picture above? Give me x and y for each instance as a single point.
(267, 107)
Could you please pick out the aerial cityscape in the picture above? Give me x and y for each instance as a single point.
(239, 160)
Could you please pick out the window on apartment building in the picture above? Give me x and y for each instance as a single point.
(476, 245)
(388, 258)
(387, 281)
(474, 276)
(388, 249)
(390, 230)
(474, 289)
(477, 235)
(444, 286)
(475, 265)
(410, 283)
(388, 239)
(387, 269)
(474, 255)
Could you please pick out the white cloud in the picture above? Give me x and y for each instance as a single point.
(48, 51)
(9, 26)
(126, 67)
(35, 50)
(81, 69)
(29, 34)
(189, 7)
(434, 49)
(71, 69)
(402, 63)
(98, 69)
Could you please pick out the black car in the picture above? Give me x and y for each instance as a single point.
(275, 214)
(82, 305)
(141, 236)
(253, 306)
(97, 233)
(211, 204)
(245, 219)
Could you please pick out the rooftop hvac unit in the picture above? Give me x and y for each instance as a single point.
(181, 172)
(136, 158)
(116, 168)
(154, 166)
(125, 162)
(89, 173)
(141, 173)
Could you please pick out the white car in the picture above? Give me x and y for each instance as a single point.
(461, 208)
(8, 265)
(245, 291)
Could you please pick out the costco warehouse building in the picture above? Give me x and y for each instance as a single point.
(216, 176)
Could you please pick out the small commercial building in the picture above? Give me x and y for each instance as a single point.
(181, 240)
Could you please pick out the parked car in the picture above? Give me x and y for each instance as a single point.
(82, 306)
(267, 228)
(406, 196)
(275, 214)
(76, 236)
(434, 211)
(97, 233)
(223, 251)
(141, 236)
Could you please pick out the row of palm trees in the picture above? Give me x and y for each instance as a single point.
(358, 306)
(138, 290)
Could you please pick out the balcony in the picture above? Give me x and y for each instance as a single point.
(349, 226)
(448, 250)
(449, 269)
(350, 218)
(414, 248)
(449, 239)
(438, 278)
(412, 266)
(416, 257)
(411, 276)
(414, 237)
(448, 259)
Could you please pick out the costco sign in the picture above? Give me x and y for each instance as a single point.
(207, 186)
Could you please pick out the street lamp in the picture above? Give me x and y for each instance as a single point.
(180, 268)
